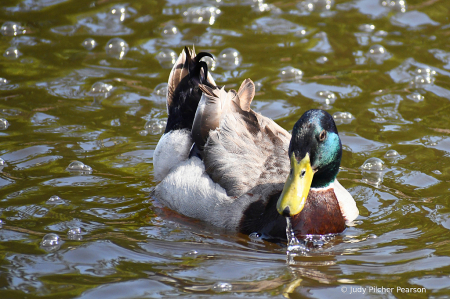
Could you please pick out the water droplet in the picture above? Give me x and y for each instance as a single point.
(55, 200)
(100, 89)
(12, 29)
(166, 58)
(373, 164)
(155, 126)
(89, 44)
(416, 97)
(201, 14)
(222, 287)
(51, 242)
(74, 234)
(78, 166)
(169, 30)
(290, 73)
(436, 172)
(229, 58)
(322, 59)
(367, 27)
(12, 53)
(117, 48)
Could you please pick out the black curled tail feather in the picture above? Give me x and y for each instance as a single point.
(183, 92)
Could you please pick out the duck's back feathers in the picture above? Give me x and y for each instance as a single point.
(246, 150)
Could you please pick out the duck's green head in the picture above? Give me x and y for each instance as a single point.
(315, 152)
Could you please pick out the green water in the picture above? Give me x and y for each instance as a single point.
(132, 247)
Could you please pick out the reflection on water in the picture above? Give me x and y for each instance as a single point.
(84, 83)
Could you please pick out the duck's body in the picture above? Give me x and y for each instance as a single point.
(227, 165)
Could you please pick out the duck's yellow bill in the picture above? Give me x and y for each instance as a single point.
(296, 189)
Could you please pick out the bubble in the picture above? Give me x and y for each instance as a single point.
(329, 97)
(373, 164)
(1, 223)
(210, 62)
(12, 53)
(74, 234)
(160, 92)
(166, 58)
(55, 200)
(51, 242)
(3, 81)
(396, 5)
(222, 287)
(77, 166)
(381, 33)
(2, 162)
(169, 30)
(416, 97)
(229, 58)
(4, 124)
(89, 44)
(100, 89)
(119, 13)
(192, 252)
(366, 27)
(378, 54)
(421, 80)
(12, 29)
(290, 73)
(155, 126)
(315, 5)
(391, 153)
(264, 7)
(343, 117)
(372, 236)
(117, 48)
(377, 50)
(201, 14)
(425, 71)
(372, 171)
(254, 236)
(322, 59)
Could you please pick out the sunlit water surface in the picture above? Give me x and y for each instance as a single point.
(82, 107)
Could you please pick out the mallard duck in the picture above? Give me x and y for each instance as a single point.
(221, 162)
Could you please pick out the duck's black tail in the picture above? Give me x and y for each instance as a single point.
(183, 92)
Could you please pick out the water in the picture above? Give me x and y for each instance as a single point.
(385, 79)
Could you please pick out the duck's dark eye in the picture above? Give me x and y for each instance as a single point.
(302, 174)
(323, 135)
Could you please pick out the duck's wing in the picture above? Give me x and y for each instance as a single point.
(346, 202)
(183, 93)
(243, 149)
